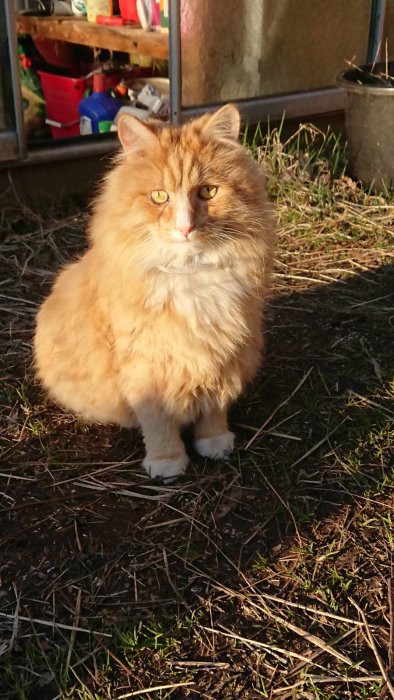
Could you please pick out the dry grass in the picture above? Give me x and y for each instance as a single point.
(267, 576)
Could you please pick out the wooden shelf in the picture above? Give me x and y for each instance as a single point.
(76, 30)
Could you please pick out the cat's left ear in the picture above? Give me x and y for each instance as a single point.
(135, 136)
(224, 124)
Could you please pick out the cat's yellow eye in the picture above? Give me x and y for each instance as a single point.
(207, 192)
(159, 196)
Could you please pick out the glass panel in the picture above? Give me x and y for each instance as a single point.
(244, 49)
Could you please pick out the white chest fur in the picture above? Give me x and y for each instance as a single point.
(201, 292)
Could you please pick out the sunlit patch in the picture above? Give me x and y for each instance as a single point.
(207, 192)
(159, 196)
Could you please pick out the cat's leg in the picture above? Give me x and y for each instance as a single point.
(165, 451)
(212, 437)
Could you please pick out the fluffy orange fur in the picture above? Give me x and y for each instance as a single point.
(159, 323)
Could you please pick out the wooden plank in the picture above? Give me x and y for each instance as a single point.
(78, 30)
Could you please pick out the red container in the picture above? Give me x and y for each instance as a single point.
(63, 94)
(62, 97)
(128, 10)
(59, 53)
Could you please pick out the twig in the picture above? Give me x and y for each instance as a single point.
(202, 664)
(343, 679)
(20, 478)
(296, 669)
(391, 616)
(74, 632)
(370, 301)
(318, 444)
(78, 541)
(370, 402)
(115, 658)
(285, 505)
(120, 491)
(289, 625)
(283, 403)
(307, 608)
(55, 625)
(15, 623)
(153, 689)
(310, 638)
(373, 646)
(323, 679)
(270, 648)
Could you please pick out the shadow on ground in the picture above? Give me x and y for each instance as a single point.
(300, 513)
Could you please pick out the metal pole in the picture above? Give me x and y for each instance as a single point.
(15, 78)
(175, 69)
(376, 30)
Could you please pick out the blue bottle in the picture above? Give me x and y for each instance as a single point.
(99, 109)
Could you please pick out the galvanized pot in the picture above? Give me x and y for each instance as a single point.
(369, 118)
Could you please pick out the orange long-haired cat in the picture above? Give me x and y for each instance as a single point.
(159, 323)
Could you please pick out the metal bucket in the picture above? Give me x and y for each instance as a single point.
(369, 118)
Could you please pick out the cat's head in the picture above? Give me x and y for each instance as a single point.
(187, 189)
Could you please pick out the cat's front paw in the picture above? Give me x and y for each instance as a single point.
(218, 447)
(167, 468)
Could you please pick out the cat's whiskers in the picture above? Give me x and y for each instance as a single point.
(252, 254)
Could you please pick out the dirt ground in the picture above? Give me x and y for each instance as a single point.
(269, 575)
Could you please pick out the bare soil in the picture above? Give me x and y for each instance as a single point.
(269, 575)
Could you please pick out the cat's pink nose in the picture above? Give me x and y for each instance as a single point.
(185, 230)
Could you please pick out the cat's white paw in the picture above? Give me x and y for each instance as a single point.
(218, 447)
(165, 468)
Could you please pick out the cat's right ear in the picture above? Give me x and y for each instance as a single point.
(224, 124)
(135, 136)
